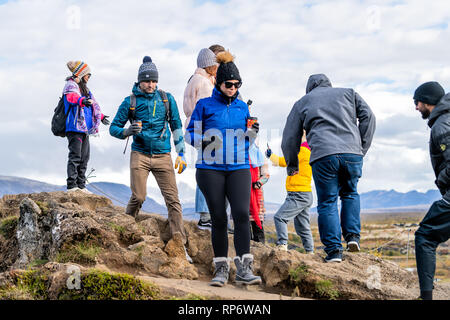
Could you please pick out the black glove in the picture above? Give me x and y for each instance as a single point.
(257, 185)
(105, 120)
(268, 152)
(255, 127)
(87, 102)
(135, 128)
(217, 142)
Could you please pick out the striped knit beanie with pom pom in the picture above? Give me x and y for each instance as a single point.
(78, 68)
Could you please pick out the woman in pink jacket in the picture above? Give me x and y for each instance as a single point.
(200, 86)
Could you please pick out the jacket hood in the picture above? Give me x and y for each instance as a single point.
(443, 106)
(138, 92)
(317, 80)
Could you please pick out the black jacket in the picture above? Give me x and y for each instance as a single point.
(439, 122)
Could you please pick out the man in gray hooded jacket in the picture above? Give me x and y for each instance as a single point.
(339, 129)
(432, 102)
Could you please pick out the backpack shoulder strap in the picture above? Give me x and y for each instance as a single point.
(166, 102)
(132, 110)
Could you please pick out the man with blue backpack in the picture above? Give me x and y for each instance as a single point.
(150, 112)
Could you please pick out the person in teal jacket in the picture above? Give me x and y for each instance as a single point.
(150, 150)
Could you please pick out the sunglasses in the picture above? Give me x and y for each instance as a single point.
(228, 84)
(416, 102)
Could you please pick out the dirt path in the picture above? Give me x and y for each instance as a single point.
(182, 287)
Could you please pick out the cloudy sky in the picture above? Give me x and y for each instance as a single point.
(384, 49)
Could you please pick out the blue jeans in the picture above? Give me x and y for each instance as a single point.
(296, 206)
(335, 175)
(200, 204)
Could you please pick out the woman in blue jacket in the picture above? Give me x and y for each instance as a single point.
(218, 129)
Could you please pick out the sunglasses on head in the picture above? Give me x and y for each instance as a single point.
(229, 84)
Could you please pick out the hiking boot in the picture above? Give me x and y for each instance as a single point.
(244, 273)
(85, 190)
(141, 217)
(353, 244)
(204, 224)
(282, 247)
(221, 272)
(334, 256)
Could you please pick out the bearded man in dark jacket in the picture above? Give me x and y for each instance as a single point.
(432, 102)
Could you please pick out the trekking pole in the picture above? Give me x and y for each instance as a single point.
(90, 172)
(126, 145)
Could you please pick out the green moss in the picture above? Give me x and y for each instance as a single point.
(325, 289)
(82, 252)
(35, 282)
(15, 293)
(117, 228)
(96, 285)
(8, 226)
(37, 263)
(298, 274)
(43, 206)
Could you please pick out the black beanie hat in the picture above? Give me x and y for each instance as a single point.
(147, 70)
(429, 92)
(227, 69)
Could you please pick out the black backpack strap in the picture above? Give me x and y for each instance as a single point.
(132, 110)
(165, 100)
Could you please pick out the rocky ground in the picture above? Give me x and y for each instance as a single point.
(78, 246)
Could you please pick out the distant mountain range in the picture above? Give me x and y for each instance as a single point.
(119, 194)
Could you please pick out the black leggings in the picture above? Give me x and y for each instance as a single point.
(235, 185)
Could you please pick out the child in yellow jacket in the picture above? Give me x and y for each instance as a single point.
(298, 200)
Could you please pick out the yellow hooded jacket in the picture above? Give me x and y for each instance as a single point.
(301, 182)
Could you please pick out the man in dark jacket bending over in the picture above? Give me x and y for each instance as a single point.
(432, 102)
(339, 129)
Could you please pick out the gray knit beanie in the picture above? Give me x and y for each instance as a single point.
(147, 70)
(206, 58)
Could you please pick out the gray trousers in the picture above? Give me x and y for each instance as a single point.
(79, 151)
(296, 206)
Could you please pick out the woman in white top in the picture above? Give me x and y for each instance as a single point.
(200, 86)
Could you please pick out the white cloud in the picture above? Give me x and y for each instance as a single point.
(384, 49)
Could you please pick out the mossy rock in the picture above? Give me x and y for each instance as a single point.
(97, 285)
(43, 206)
(35, 282)
(8, 226)
(82, 252)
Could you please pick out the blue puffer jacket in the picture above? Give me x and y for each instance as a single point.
(151, 111)
(226, 119)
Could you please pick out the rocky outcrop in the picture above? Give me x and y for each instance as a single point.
(46, 231)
